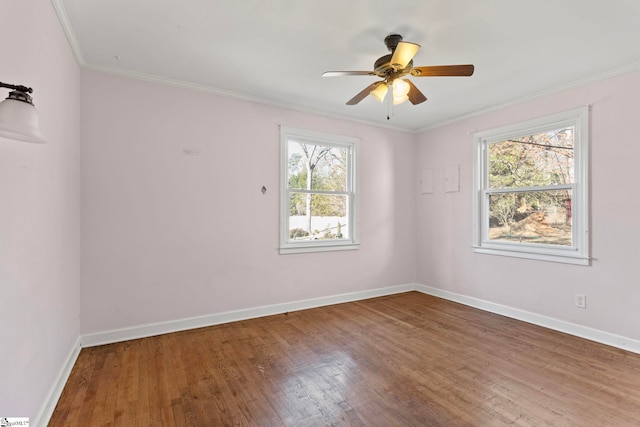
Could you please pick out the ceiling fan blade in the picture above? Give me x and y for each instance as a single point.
(415, 96)
(442, 70)
(347, 73)
(404, 53)
(362, 95)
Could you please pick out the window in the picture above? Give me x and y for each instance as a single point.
(318, 195)
(531, 189)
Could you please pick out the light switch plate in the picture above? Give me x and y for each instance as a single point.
(427, 180)
(451, 178)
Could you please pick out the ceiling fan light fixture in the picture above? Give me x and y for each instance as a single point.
(399, 99)
(403, 54)
(400, 91)
(380, 92)
(400, 87)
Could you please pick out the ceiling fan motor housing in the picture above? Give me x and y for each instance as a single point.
(391, 41)
(383, 68)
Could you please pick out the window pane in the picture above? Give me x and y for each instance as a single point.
(541, 217)
(328, 218)
(533, 160)
(317, 167)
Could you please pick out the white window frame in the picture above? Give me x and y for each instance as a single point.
(578, 253)
(287, 246)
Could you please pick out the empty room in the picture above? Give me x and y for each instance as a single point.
(285, 213)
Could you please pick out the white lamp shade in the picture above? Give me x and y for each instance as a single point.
(400, 87)
(399, 99)
(19, 121)
(400, 90)
(404, 53)
(380, 92)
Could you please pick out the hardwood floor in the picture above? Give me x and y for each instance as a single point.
(401, 360)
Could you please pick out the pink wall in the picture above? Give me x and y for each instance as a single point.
(40, 211)
(445, 260)
(168, 236)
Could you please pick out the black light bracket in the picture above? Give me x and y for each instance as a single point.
(19, 92)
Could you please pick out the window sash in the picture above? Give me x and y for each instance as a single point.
(327, 192)
(486, 241)
(529, 189)
(544, 163)
(348, 226)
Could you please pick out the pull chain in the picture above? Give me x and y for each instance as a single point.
(389, 106)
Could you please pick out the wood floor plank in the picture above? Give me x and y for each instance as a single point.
(401, 360)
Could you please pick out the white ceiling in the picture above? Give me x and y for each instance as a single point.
(274, 51)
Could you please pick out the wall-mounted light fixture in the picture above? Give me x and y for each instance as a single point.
(18, 116)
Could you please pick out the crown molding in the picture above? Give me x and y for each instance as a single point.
(527, 98)
(63, 17)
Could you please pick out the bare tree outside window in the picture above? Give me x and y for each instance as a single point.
(317, 172)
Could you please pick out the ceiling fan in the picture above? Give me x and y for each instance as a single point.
(395, 65)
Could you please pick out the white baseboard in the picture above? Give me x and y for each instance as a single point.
(536, 319)
(45, 412)
(148, 330)
(142, 331)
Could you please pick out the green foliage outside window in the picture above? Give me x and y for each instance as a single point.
(532, 161)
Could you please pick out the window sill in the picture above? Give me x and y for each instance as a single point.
(315, 247)
(565, 259)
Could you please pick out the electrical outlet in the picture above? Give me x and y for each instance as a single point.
(581, 301)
